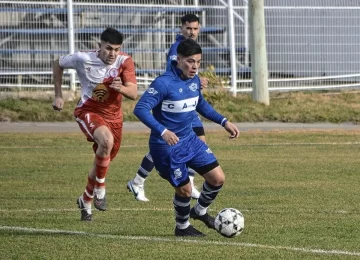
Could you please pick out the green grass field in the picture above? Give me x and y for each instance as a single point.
(298, 190)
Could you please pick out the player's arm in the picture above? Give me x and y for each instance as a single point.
(58, 72)
(128, 89)
(150, 99)
(207, 111)
(126, 82)
(203, 82)
(64, 62)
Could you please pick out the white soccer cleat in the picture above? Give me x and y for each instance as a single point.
(195, 194)
(137, 190)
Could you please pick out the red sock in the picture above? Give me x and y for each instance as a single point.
(101, 168)
(88, 194)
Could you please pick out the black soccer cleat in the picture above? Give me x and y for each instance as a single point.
(206, 219)
(85, 216)
(100, 204)
(190, 231)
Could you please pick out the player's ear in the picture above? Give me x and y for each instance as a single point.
(99, 44)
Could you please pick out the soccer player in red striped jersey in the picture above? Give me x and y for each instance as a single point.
(105, 75)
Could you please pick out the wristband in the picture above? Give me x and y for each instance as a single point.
(163, 132)
(223, 122)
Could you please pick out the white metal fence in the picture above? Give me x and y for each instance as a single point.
(311, 44)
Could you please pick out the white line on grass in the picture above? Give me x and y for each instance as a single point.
(140, 146)
(273, 211)
(160, 239)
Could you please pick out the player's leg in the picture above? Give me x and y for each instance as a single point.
(96, 131)
(136, 185)
(214, 180)
(177, 176)
(206, 165)
(104, 144)
(99, 171)
(200, 132)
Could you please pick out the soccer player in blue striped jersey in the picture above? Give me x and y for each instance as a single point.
(168, 108)
(190, 28)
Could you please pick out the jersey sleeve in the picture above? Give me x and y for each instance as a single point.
(152, 97)
(69, 61)
(172, 56)
(128, 73)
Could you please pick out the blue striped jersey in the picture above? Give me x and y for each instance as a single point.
(173, 102)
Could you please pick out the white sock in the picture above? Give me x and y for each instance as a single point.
(138, 180)
(100, 193)
(183, 225)
(192, 181)
(200, 210)
(87, 205)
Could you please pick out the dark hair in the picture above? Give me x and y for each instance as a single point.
(189, 18)
(188, 47)
(112, 36)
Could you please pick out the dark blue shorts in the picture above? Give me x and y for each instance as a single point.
(172, 162)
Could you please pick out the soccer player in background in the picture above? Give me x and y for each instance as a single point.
(168, 108)
(106, 75)
(190, 29)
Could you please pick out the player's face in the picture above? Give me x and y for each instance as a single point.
(108, 52)
(189, 65)
(190, 30)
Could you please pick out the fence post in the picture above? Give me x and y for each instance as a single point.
(70, 16)
(259, 70)
(232, 47)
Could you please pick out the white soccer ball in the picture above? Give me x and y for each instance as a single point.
(229, 222)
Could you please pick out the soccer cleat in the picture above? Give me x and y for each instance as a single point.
(137, 190)
(100, 204)
(195, 194)
(85, 216)
(190, 231)
(206, 219)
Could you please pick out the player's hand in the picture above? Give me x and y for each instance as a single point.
(232, 129)
(117, 84)
(170, 138)
(58, 104)
(204, 82)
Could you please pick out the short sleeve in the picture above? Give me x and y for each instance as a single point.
(69, 61)
(128, 71)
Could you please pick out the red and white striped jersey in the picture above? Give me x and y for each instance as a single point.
(95, 77)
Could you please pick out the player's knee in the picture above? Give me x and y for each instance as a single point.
(184, 191)
(218, 180)
(106, 143)
(215, 178)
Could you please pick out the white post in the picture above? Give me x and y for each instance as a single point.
(246, 34)
(232, 47)
(70, 17)
(259, 70)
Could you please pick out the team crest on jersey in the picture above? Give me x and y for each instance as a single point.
(113, 72)
(152, 91)
(100, 93)
(178, 174)
(193, 86)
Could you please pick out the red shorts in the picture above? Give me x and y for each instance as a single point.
(89, 122)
